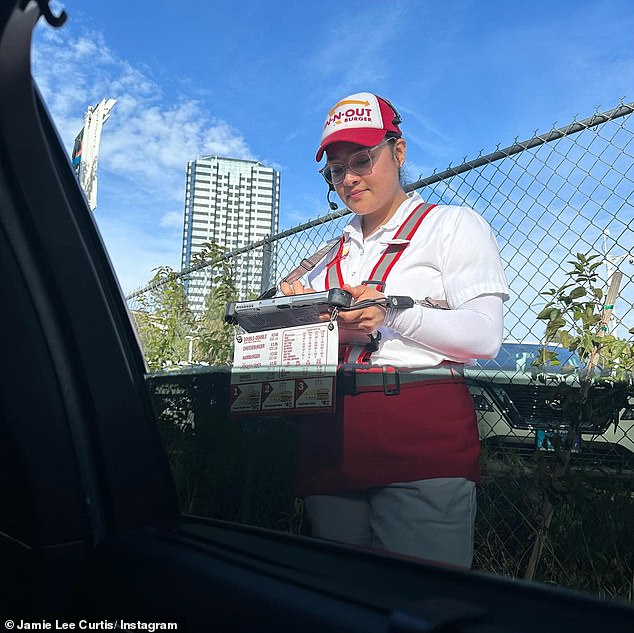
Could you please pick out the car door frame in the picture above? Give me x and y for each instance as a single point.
(98, 532)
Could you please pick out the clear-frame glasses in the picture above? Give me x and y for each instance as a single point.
(359, 163)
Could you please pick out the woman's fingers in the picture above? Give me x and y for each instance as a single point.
(296, 288)
(367, 320)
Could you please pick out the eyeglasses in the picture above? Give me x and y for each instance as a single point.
(359, 163)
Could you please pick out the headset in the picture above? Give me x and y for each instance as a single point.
(397, 117)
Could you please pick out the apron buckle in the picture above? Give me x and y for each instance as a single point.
(391, 381)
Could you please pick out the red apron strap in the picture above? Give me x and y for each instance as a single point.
(394, 251)
(355, 355)
(334, 277)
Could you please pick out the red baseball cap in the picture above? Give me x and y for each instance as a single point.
(362, 118)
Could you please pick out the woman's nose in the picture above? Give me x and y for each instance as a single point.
(350, 178)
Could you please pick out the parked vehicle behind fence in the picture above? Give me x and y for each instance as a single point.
(520, 409)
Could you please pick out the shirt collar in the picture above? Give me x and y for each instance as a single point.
(352, 230)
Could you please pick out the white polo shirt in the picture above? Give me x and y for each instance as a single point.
(453, 256)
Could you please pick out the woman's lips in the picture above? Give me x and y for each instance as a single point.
(355, 195)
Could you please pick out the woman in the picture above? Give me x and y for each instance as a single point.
(396, 467)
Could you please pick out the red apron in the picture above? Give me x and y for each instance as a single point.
(427, 430)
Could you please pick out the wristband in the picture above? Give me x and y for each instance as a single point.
(397, 302)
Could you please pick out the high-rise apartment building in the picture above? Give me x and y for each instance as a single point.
(233, 203)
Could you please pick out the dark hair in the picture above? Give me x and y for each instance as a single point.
(401, 176)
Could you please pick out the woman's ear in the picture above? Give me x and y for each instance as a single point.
(400, 151)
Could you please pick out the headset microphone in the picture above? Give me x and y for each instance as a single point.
(333, 205)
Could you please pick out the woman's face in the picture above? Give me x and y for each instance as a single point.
(378, 192)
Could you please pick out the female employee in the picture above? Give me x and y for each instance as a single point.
(396, 467)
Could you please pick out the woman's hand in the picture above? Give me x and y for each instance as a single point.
(296, 288)
(368, 319)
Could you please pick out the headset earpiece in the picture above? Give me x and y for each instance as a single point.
(333, 205)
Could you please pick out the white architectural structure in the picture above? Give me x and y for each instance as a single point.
(233, 203)
(86, 149)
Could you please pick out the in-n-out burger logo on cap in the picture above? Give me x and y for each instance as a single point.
(362, 118)
(348, 111)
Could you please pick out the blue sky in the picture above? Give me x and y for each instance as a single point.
(254, 80)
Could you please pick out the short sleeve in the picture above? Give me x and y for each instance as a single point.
(471, 259)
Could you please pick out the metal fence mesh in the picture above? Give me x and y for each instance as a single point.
(570, 190)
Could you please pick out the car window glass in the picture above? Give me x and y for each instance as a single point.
(194, 220)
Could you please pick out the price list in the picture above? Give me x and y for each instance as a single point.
(305, 351)
(290, 369)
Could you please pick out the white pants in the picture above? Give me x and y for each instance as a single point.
(431, 519)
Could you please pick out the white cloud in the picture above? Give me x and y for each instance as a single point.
(172, 219)
(147, 136)
(145, 147)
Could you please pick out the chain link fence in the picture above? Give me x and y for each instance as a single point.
(568, 191)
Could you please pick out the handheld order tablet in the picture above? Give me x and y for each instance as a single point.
(285, 311)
